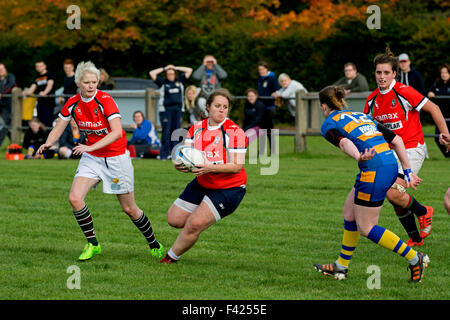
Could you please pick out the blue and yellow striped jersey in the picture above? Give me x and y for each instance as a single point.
(362, 130)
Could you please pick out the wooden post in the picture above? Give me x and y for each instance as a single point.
(16, 115)
(314, 108)
(300, 122)
(151, 104)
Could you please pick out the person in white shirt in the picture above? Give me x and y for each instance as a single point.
(287, 91)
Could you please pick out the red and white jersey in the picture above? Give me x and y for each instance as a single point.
(218, 142)
(398, 109)
(92, 117)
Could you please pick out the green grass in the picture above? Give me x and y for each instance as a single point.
(265, 250)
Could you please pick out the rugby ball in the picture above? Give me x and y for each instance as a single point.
(189, 157)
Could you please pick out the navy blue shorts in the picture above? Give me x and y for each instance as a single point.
(372, 185)
(222, 202)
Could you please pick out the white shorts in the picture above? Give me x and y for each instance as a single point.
(116, 173)
(416, 158)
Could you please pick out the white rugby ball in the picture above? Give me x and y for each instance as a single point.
(189, 157)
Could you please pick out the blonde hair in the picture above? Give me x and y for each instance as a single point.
(84, 67)
(187, 103)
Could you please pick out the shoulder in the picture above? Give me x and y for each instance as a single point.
(373, 95)
(404, 90)
(103, 96)
(73, 100)
(230, 125)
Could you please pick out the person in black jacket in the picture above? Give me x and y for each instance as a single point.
(267, 84)
(408, 75)
(441, 87)
(34, 137)
(253, 115)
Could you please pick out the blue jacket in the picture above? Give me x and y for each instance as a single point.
(145, 134)
(266, 86)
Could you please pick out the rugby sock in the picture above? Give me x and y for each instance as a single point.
(86, 224)
(144, 225)
(172, 255)
(391, 241)
(416, 207)
(408, 222)
(349, 242)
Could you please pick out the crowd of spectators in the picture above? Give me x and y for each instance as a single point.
(180, 100)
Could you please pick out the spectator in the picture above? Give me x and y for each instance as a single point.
(267, 84)
(105, 83)
(253, 115)
(34, 137)
(171, 96)
(70, 87)
(408, 75)
(441, 87)
(353, 81)
(144, 143)
(195, 104)
(288, 89)
(68, 140)
(7, 83)
(209, 74)
(44, 84)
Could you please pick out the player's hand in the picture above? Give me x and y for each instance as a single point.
(180, 167)
(41, 149)
(202, 169)
(80, 149)
(415, 181)
(444, 138)
(367, 155)
(411, 179)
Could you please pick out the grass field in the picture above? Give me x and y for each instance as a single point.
(265, 250)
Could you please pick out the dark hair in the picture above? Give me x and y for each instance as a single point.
(387, 57)
(333, 97)
(263, 64)
(251, 90)
(446, 66)
(219, 92)
(138, 111)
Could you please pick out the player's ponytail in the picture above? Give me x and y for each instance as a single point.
(333, 97)
(387, 57)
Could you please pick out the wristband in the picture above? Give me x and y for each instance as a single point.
(407, 172)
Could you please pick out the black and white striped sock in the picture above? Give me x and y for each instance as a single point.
(86, 224)
(144, 225)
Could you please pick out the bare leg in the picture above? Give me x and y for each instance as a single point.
(198, 221)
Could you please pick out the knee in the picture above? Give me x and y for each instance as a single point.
(174, 221)
(397, 197)
(76, 201)
(176, 217)
(131, 211)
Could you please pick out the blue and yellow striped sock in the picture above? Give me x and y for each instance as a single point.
(391, 241)
(349, 242)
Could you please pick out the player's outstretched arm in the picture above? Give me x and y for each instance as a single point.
(53, 136)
